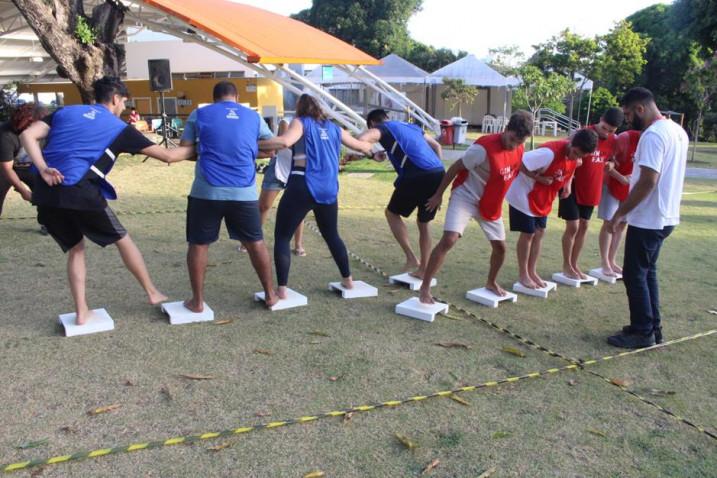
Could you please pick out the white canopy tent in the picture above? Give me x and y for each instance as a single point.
(494, 98)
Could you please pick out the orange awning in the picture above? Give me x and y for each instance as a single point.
(265, 37)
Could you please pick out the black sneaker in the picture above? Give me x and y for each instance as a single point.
(632, 341)
(658, 333)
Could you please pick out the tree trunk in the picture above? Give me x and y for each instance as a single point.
(696, 134)
(55, 21)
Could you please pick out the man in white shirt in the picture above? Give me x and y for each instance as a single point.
(652, 211)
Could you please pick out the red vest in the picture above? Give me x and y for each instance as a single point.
(625, 147)
(561, 169)
(504, 167)
(589, 176)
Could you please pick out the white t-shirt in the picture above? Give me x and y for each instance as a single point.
(282, 167)
(538, 159)
(662, 148)
(474, 160)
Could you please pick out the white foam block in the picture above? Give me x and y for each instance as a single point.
(178, 314)
(360, 289)
(415, 309)
(100, 322)
(293, 299)
(542, 292)
(489, 298)
(569, 281)
(598, 274)
(406, 279)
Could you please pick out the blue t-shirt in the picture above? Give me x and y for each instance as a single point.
(201, 188)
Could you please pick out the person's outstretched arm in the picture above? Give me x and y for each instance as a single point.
(353, 143)
(286, 140)
(435, 145)
(435, 201)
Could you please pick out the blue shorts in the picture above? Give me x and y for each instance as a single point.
(271, 182)
(204, 219)
(521, 222)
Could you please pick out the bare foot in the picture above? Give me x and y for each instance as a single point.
(571, 274)
(528, 282)
(617, 269)
(84, 316)
(425, 296)
(156, 297)
(271, 298)
(418, 273)
(539, 282)
(193, 305)
(347, 282)
(411, 265)
(241, 249)
(299, 251)
(281, 292)
(608, 272)
(581, 274)
(495, 288)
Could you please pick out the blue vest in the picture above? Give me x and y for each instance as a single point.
(323, 144)
(78, 138)
(411, 146)
(228, 135)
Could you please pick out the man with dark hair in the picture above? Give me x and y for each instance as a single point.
(226, 136)
(82, 144)
(480, 181)
(577, 207)
(545, 171)
(416, 157)
(652, 209)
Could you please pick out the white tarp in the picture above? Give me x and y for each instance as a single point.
(472, 71)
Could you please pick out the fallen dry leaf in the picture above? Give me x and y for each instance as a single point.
(319, 333)
(33, 444)
(453, 345)
(431, 466)
(315, 474)
(620, 382)
(219, 447)
(314, 342)
(597, 432)
(405, 441)
(713, 312)
(513, 351)
(263, 352)
(501, 434)
(572, 382)
(348, 416)
(487, 472)
(458, 399)
(67, 429)
(192, 376)
(659, 393)
(223, 322)
(128, 383)
(333, 379)
(165, 391)
(262, 414)
(452, 317)
(105, 409)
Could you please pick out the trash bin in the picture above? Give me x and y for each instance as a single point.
(446, 137)
(460, 129)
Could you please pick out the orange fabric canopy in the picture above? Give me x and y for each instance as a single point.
(265, 37)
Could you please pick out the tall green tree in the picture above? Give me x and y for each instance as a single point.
(568, 54)
(378, 27)
(621, 59)
(701, 86)
(699, 18)
(540, 90)
(506, 59)
(600, 100)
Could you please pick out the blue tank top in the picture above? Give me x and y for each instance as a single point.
(408, 145)
(78, 137)
(322, 142)
(228, 134)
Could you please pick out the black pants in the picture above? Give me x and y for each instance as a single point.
(25, 175)
(639, 273)
(295, 204)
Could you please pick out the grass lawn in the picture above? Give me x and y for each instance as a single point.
(335, 354)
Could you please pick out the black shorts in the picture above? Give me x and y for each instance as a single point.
(68, 226)
(413, 192)
(521, 222)
(570, 210)
(204, 219)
